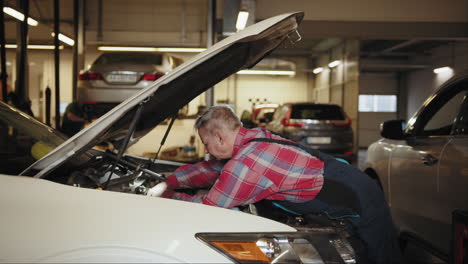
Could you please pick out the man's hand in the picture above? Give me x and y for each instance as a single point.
(157, 190)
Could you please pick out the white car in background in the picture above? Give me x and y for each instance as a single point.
(116, 76)
(63, 200)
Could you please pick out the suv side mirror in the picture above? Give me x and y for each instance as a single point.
(393, 129)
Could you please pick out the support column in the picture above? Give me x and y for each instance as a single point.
(3, 53)
(209, 94)
(57, 61)
(79, 48)
(22, 76)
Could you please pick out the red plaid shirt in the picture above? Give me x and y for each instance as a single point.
(256, 171)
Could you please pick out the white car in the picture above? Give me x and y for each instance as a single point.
(422, 168)
(116, 76)
(63, 200)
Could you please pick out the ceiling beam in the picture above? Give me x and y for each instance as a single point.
(400, 45)
(384, 30)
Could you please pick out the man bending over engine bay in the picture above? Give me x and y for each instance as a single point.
(251, 165)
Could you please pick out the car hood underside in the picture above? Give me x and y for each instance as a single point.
(167, 95)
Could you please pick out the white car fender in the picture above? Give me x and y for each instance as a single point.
(61, 223)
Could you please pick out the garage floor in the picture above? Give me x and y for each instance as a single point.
(361, 156)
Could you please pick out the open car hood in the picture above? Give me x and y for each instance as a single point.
(168, 94)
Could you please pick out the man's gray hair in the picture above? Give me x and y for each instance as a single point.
(218, 116)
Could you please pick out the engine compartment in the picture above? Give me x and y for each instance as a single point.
(129, 174)
(133, 174)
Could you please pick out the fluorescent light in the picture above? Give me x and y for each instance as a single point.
(242, 19)
(317, 70)
(64, 39)
(334, 63)
(149, 49)
(267, 105)
(262, 72)
(442, 69)
(41, 47)
(20, 16)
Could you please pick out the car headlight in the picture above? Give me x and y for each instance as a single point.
(297, 247)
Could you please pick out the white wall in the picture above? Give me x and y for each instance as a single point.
(238, 89)
(378, 83)
(41, 75)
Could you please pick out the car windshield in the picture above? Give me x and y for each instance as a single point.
(129, 58)
(317, 112)
(23, 140)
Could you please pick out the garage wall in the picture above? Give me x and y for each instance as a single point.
(421, 84)
(340, 85)
(321, 89)
(243, 90)
(351, 84)
(148, 22)
(369, 122)
(41, 76)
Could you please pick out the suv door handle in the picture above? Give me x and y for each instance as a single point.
(429, 160)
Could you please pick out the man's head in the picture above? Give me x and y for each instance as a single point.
(218, 128)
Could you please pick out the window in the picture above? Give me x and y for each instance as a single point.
(462, 125)
(317, 112)
(377, 103)
(23, 141)
(442, 121)
(129, 58)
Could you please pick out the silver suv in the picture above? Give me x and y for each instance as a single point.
(325, 127)
(116, 76)
(422, 167)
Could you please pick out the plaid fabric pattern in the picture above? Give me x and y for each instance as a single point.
(256, 171)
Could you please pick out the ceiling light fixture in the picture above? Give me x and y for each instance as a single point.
(39, 47)
(317, 70)
(242, 19)
(20, 16)
(64, 39)
(442, 69)
(334, 63)
(266, 72)
(149, 49)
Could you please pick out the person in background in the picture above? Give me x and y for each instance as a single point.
(8, 86)
(251, 165)
(13, 99)
(74, 119)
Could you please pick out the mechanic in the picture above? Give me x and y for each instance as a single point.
(253, 164)
(74, 119)
(9, 89)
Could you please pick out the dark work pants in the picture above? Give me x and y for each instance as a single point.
(350, 194)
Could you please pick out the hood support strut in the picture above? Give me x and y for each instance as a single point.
(124, 145)
(152, 161)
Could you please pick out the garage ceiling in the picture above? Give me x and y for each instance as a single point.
(384, 45)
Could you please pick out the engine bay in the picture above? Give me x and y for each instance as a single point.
(129, 174)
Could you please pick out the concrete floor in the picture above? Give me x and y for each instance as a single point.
(361, 156)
